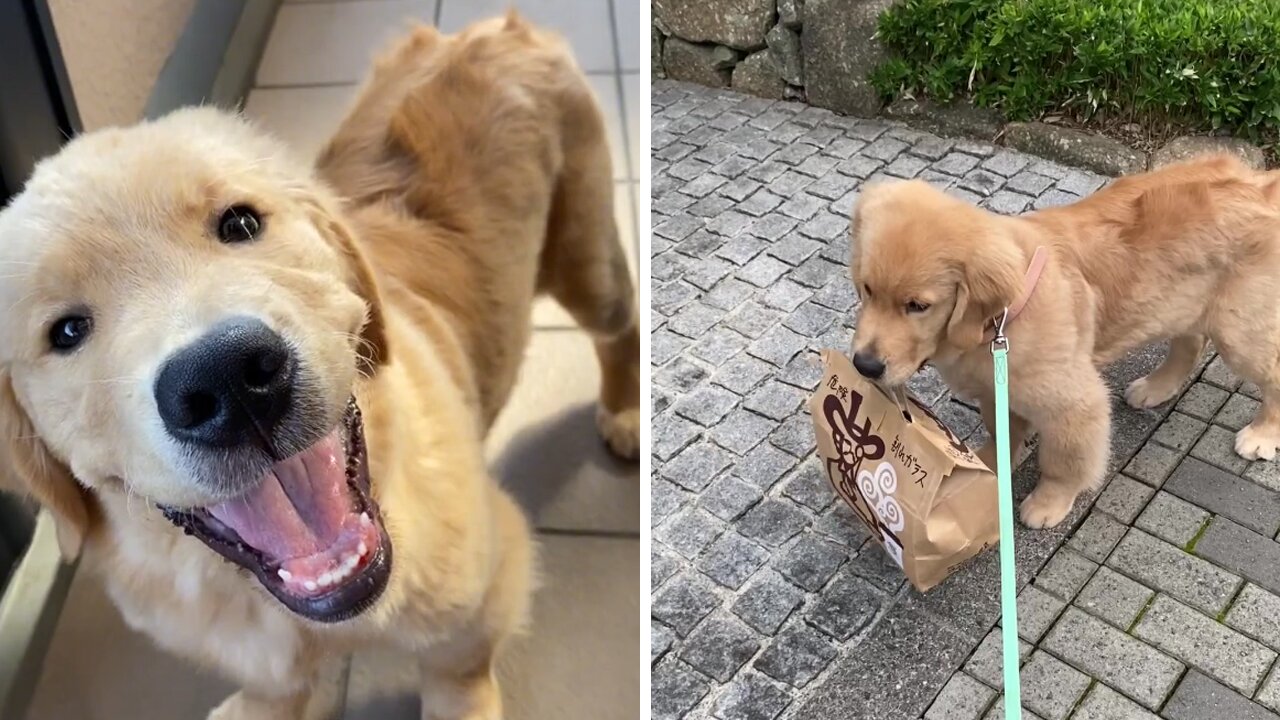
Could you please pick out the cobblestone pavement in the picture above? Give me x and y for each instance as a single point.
(1157, 597)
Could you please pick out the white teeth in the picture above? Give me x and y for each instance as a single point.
(285, 575)
(326, 579)
(365, 520)
(363, 549)
(310, 585)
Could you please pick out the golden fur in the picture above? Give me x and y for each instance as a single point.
(1188, 253)
(473, 174)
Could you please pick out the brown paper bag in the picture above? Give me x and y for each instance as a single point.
(923, 494)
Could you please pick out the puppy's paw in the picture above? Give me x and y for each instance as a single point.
(621, 431)
(1144, 393)
(1045, 507)
(1257, 443)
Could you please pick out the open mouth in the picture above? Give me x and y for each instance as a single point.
(310, 532)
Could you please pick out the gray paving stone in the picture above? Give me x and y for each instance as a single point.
(683, 601)
(1237, 412)
(787, 295)
(1265, 473)
(1199, 697)
(766, 602)
(762, 271)
(694, 319)
(811, 561)
(1050, 687)
(956, 163)
(773, 522)
(1054, 198)
(1269, 693)
(875, 566)
(719, 646)
(997, 712)
(1111, 656)
(706, 405)
(924, 656)
(1217, 447)
(1255, 613)
(774, 400)
(742, 373)
(667, 499)
(809, 486)
(839, 524)
(1065, 573)
(1097, 536)
(1007, 202)
(751, 697)
(1205, 644)
(1219, 374)
(660, 639)
(731, 559)
(763, 466)
(1179, 431)
(741, 431)
(777, 346)
(1153, 464)
(1114, 598)
(1242, 551)
(1037, 611)
(675, 688)
(1006, 162)
(796, 655)
(845, 607)
(695, 466)
(689, 531)
(1172, 519)
(728, 497)
(1223, 493)
(987, 661)
(1029, 183)
(1202, 401)
(1124, 498)
(962, 698)
(1157, 564)
(795, 436)
(1103, 703)
(663, 565)
(675, 434)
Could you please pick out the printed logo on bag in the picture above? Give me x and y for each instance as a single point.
(855, 443)
(957, 445)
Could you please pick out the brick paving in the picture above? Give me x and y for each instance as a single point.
(1159, 597)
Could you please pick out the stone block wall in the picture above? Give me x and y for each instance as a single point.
(816, 51)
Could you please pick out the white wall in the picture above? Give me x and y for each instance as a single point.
(114, 50)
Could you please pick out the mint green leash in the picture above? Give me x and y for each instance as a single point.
(1008, 565)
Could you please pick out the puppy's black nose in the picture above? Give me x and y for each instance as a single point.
(868, 365)
(229, 387)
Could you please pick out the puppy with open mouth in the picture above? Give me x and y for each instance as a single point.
(254, 394)
(1187, 253)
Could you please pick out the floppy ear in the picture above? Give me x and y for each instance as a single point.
(373, 349)
(42, 476)
(990, 280)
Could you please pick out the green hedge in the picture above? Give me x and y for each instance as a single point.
(1204, 63)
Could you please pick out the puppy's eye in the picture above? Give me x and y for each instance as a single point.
(915, 306)
(68, 332)
(239, 223)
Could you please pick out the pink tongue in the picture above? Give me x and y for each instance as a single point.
(298, 508)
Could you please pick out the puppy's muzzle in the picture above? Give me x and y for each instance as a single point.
(868, 365)
(229, 388)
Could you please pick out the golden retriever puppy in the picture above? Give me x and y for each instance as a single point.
(1187, 253)
(255, 393)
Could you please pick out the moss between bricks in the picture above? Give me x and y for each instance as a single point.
(1190, 547)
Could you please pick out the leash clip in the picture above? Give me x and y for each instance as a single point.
(1000, 341)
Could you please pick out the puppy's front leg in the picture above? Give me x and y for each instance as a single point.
(1074, 419)
(465, 692)
(248, 705)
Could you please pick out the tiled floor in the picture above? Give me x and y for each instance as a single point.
(582, 658)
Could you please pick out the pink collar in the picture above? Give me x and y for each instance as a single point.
(1001, 321)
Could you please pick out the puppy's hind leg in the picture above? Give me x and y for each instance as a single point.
(1165, 381)
(584, 266)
